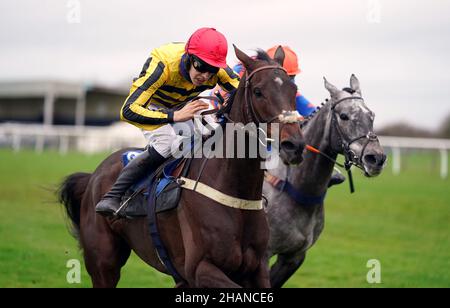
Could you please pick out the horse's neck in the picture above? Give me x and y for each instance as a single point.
(237, 110)
(241, 177)
(315, 171)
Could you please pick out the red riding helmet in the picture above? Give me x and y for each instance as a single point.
(290, 63)
(209, 45)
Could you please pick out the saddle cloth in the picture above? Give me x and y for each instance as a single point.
(167, 190)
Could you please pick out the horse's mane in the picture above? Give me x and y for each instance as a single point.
(262, 55)
(316, 111)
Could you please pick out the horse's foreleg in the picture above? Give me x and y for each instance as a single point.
(284, 268)
(207, 275)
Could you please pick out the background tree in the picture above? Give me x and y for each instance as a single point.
(404, 130)
(444, 131)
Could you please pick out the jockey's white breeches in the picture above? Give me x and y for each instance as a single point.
(167, 139)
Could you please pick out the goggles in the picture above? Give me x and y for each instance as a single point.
(203, 67)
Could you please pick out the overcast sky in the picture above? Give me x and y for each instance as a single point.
(398, 49)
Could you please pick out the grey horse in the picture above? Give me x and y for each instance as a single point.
(344, 125)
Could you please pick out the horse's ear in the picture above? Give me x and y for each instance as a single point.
(332, 89)
(245, 59)
(279, 55)
(354, 84)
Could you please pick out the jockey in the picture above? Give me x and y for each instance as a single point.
(290, 64)
(304, 107)
(173, 74)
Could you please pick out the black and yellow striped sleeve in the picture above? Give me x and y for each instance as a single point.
(228, 79)
(153, 76)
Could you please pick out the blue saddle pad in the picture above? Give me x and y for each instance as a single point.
(166, 177)
(129, 156)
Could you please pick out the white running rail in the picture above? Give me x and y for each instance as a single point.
(398, 143)
(91, 139)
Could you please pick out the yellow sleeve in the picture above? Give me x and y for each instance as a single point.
(228, 79)
(153, 76)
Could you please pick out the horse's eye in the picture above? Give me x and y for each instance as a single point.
(344, 117)
(257, 92)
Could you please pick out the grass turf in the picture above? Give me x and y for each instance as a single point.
(402, 221)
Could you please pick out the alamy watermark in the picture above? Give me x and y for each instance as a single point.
(73, 11)
(234, 140)
(74, 273)
(373, 11)
(374, 274)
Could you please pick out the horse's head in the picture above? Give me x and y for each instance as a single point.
(352, 129)
(269, 97)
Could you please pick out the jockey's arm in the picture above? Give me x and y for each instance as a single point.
(304, 106)
(228, 81)
(133, 110)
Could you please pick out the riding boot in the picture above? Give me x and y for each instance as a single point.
(336, 179)
(142, 165)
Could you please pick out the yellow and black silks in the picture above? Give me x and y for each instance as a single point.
(164, 84)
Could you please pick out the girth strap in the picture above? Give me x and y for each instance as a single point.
(218, 196)
(298, 196)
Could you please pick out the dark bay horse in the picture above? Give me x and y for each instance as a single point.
(344, 125)
(210, 245)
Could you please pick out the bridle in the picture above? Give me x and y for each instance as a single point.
(350, 156)
(351, 159)
(250, 113)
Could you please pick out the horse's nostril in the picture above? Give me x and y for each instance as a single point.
(288, 146)
(370, 159)
(375, 159)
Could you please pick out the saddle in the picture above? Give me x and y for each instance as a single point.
(161, 184)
